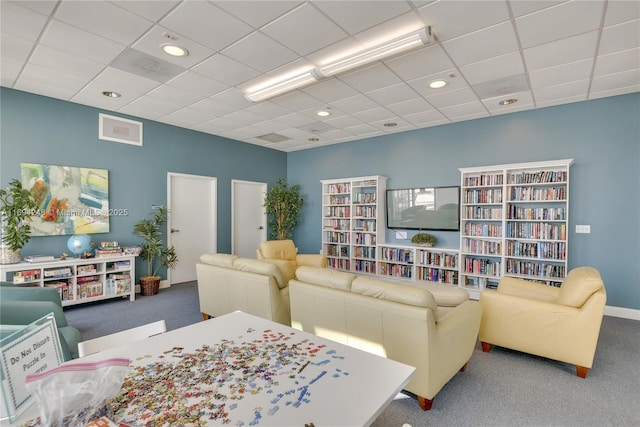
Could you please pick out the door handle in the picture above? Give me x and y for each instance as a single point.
(261, 228)
(173, 230)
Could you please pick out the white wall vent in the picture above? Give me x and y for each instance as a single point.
(117, 129)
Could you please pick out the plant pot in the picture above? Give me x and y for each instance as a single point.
(149, 285)
(7, 256)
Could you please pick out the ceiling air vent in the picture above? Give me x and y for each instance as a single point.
(273, 137)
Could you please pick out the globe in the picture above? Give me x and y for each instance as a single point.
(79, 244)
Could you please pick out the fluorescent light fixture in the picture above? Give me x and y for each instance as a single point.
(282, 86)
(382, 51)
(385, 50)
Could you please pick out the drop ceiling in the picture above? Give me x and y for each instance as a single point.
(542, 53)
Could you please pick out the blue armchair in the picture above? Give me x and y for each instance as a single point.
(24, 305)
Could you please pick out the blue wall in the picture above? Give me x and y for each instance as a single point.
(602, 136)
(37, 129)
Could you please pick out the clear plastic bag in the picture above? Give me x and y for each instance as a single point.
(74, 394)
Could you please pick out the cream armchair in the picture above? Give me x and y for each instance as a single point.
(285, 251)
(558, 323)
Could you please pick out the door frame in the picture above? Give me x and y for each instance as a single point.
(264, 187)
(214, 210)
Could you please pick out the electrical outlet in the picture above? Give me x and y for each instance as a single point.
(585, 229)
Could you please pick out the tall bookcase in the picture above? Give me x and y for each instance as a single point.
(514, 222)
(353, 222)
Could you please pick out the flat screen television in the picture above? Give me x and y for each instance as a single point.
(426, 208)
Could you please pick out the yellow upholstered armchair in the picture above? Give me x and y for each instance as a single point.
(285, 250)
(558, 323)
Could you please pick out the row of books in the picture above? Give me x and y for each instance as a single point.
(531, 194)
(484, 247)
(363, 266)
(535, 269)
(439, 259)
(395, 270)
(483, 195)
(484, 266)
(542, 250)
(437, 275)
(397, 255)
(26, 276)
(483, 179)
(540, 177)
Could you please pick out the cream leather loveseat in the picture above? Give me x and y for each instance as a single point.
(227, 283)
(397, 321)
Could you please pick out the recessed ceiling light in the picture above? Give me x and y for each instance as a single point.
(390, 124)
(437, 84)
(174, 50)
(508, 101)
(323, 113)
(111, 94)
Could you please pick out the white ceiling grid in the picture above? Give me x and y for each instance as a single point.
(543, 53)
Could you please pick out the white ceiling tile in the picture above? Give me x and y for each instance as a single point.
(344, 122)
(153, 41)
(476, 109)
(370, 78)
(447, 99)
(244, 117)
(66, 84)
(103, 19)
(524, 7)
(393, 28)
(15, 47)
(220, 123)
(21, 22)
(567, 90)
(561, 101)
(155, 105)
(493, 68)
(422, 117)
(213, 108)
(294, 120)
(81, 43)
(330, 90)
(224, 69)
(92, 95)
(44, 7)
(614, 92)
(451, 19)
(558, 22)
(615, 81)
(617, 62)
(521, 107)
(565, 73)
(562, 51)
(482, 44)
(621, 11)
(197, 83)
(257, 13)
(356, 16)
(65, 63)
(185, 117)
(233, 97)
(9, 70)
(140, 111)
(174, 95)
(152, 10)
(269, 110)
(409, 107)
(206, 24)
(292, 29)
(393, 94)
(524, 101)
(297, 101)
(260, 52)
(44, 87)
(620, 37)
(124, 82)
(355, 104)
(375, 114)
(428, 60)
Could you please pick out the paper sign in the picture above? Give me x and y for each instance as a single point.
(33, 349)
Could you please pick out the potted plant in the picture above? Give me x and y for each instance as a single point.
(153, 249)
(423, 239)
(283, 204)
(16, 207)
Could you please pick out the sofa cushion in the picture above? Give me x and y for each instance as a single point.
(394, 292)
(220, 260)
(287, 268)
(325, 277)
(446, 295)
(578, 286)
(261, 267)
(279, 249)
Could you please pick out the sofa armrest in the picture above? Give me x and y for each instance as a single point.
(25, 312)
(527, 289)
(312, 260)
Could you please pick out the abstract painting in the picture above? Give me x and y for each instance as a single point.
(71, 200)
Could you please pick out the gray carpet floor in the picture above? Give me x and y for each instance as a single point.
(499, 388)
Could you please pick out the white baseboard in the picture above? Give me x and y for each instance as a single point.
(625, 313)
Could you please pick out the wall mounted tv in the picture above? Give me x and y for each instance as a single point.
(434, 208)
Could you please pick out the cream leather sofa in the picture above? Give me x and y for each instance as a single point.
(558, 323)
(393, 320)
(227, 283)
(284, 254)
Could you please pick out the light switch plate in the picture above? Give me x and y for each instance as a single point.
(586, 229)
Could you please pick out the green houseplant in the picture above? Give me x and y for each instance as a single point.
(424, 239)
(154, 252)
(16, 207)
(283, 204)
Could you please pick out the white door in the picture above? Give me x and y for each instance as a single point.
(248, 217)
(192, 222)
